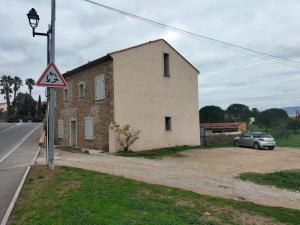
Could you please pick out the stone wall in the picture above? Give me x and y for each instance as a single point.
(77, 108)
(215, 139)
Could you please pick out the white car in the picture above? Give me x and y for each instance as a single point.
(258, 140)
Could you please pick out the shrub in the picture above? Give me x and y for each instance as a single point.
(126, 136)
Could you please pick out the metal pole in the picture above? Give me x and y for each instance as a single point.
(47, 92)
(51, 94)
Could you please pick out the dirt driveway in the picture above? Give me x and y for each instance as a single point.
(211, 172)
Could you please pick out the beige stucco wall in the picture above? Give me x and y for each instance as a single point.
(143, 97)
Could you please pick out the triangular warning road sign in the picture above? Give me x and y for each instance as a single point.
(51, 77)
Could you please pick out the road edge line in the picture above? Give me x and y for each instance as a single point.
(17, 193)
(6, 129)
(19, 144)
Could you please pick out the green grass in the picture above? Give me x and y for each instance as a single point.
(159, 153)
(167, 152)
(72, 196)
(292, 142)
(288, 179)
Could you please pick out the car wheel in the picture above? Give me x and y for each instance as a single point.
(271, 148)
(256, 146)
(236, 144)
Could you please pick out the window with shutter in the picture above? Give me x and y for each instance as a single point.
(81, 89)
(60, 128)
(89, 128)
(99, 87)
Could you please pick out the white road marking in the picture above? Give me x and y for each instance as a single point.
(9, 128)
(17, 193)
(20, 143)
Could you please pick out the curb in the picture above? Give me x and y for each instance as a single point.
(42, 138)
(17, 193)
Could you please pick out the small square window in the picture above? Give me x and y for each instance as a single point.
(80, 89)
(168, 123)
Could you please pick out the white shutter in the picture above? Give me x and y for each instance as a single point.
(60, 128)
(99, 87)
(89, 128)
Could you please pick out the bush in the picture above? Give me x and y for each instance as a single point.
(126, 136)
(281, 132)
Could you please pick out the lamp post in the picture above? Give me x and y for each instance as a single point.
(33, 19)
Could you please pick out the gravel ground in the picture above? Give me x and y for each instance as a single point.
(211, 172)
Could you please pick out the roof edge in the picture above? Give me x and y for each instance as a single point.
(88, 65)
(150, 42)
(109, 57)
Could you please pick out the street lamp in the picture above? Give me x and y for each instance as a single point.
(33, 19)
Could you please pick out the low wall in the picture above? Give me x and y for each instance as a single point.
(213, 139)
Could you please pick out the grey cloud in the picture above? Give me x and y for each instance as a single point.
(86, 32)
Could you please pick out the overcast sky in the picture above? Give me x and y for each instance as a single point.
(86, 32)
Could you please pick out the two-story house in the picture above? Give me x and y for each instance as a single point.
(151, 87)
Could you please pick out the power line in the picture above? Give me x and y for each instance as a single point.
(197, 36)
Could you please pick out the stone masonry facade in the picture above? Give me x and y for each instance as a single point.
(77, 108)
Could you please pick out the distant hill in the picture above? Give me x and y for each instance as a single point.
(292, 110)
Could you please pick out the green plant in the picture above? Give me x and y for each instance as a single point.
(126, 136)
(289, 179)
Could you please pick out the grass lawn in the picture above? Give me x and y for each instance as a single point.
(289, 179)
(159, 153)
(71, 196)
(166, 152)
(293, 141)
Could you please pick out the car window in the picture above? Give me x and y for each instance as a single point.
(247, 134)
(257, 135)
(262, 136)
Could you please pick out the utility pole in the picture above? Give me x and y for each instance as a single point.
(44, 80)
(51, 94)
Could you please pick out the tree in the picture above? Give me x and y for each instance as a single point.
(30, 83)
(6, 84)
(272, 118)
(254, 113)
(212, 114)
(24, 103)
(44, 108)
(238, 113)
(126, 136)
(293, 124)
(17, 82)
(39, 107)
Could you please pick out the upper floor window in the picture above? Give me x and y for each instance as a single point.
(65, 94)
(99, 87)
(166, 62)
(80, 89)
(168, 123)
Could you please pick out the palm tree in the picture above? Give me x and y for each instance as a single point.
(17, 85)
(30, 83)
(6, 83)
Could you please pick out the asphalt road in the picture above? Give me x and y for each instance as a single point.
(18, 146)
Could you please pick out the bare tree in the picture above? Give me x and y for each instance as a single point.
(126, 136)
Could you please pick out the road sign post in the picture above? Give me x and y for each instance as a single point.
(51, 78)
